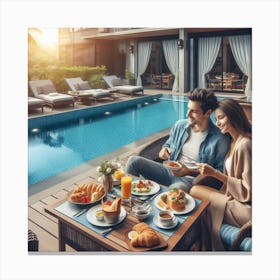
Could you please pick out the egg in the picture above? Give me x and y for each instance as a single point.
(132, 234)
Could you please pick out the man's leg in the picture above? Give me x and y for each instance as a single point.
(149, 169)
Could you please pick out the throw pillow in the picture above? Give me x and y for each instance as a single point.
(82, 86)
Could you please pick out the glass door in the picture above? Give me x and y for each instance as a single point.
(157, 74)
(225, 74)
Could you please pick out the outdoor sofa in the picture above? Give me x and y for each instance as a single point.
(119, 85)
(82, 87)
(234, 238)
(46, 91)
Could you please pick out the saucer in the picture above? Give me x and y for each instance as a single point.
(158, 224)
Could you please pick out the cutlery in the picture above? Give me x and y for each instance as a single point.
(146, 198)
(80, 213)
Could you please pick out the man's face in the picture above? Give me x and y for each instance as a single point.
(194, 114)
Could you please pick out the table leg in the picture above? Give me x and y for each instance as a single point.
(61, 242)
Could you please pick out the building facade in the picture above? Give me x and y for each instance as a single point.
(166, 58)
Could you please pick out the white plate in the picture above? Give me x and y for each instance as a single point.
(188, 207)
(84, 204)
(154, 189)
(158, 224)
(92, 219)
(173, 168)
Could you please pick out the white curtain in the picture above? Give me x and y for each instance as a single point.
(241, 47)
(144, 52)
(170, 50)
(208, 49)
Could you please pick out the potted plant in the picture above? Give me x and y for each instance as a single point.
(129, 77)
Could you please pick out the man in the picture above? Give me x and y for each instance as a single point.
(195, 139)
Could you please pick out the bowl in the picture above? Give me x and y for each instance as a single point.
(173, 165)
(99, 215)
(141, 212)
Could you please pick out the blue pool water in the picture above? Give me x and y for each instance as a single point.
(59, 147)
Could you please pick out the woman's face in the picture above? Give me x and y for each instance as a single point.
(222, 121)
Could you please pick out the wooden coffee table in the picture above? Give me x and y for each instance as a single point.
(81, 238)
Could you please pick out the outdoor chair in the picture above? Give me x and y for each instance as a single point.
(33, 242)
(83, 87)
(35, 103)
(234, 238)
(46, 91)
(120, 85)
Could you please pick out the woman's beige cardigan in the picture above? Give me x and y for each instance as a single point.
(232, 204)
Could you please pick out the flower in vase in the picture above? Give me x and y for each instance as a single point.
(108, 167)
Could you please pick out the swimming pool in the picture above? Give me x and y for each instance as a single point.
(57, 143)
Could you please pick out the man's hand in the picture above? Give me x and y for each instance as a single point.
(184, 171)
(165, 153)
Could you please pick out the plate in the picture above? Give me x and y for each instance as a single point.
(92, 219)
(168, 163)
(188, 207)
(88, 203)
(158, 224)
(154, 189)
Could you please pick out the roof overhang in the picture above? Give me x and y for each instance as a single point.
(137, 33)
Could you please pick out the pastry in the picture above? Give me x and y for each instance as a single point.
(176, 199)
(146, 237)
(94, 190)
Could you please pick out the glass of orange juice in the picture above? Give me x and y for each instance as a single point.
(126, 183)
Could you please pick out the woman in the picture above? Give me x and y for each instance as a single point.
(232, 203)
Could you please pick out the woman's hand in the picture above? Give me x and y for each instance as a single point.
(206, 169)
(165, 153)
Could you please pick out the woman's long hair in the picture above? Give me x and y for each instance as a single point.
(236, 116)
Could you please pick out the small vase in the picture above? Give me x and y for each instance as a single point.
(108, 183)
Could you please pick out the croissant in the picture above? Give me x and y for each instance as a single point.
(76, 197)
(147, 237)
(87, 189)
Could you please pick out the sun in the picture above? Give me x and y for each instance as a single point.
(49, 37)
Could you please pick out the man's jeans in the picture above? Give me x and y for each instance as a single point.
(157, 172)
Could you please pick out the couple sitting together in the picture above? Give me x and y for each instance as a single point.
(223, 154)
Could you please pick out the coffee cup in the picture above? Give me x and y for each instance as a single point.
(166, 218)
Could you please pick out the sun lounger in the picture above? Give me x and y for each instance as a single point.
(83, 87)
(119, 85)
(45, 90)
(34, 103)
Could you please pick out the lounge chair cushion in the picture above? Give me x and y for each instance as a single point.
(45, 89)
(117, 82)
(82, 86)
(55, 97)
(129, 88)
(97, 92)
(32, 101)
